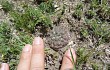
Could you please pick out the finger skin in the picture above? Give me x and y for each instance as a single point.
(25, 59)
(67, 60)
(37, 61)
(4, 66)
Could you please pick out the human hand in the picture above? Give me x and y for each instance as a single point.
(32, 57)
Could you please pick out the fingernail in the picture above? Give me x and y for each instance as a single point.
(3, 66)
(37, 40)
(27, 48)
(71, 52)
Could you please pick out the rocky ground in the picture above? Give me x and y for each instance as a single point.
(65, 33)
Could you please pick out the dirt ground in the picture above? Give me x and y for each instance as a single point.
(64, 34)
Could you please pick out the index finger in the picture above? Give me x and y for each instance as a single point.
(37, 61)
